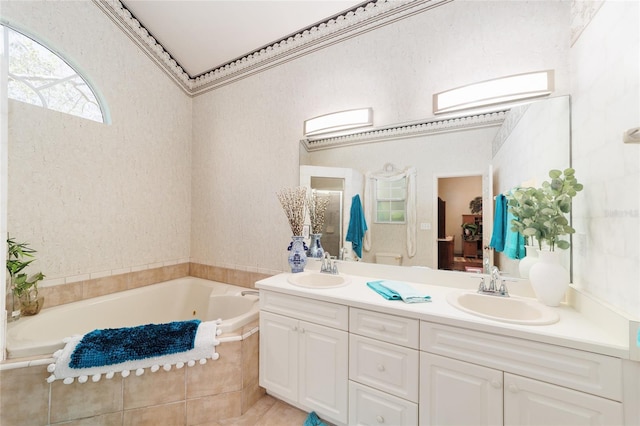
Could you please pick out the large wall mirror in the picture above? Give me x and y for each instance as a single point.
(457, 162)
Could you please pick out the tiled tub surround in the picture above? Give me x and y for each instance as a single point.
(201, 394)
(79, 289)
(181, 299)
(219, 389)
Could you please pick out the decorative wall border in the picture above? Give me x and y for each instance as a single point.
(510, 122)
(409, 130)
(362, 19)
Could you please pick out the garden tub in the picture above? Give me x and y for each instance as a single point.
(176, 300)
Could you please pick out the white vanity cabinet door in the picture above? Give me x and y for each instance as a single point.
(305, 364)
(533, 403)
(371, 407)
(458, 393)
(323, 374)
(279, 355)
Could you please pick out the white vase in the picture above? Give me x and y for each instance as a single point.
(528, 261)
(548, 278)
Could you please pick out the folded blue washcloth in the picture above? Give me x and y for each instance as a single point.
(396, 290)
(313, 420)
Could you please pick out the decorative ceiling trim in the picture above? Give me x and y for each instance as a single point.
(410, 130)
(365, 18)
(510, 123)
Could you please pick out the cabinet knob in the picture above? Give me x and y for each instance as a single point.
(513, 388)
(380, 367)
(380, 419)
(301, 330)
(295, 328)
(496, 383)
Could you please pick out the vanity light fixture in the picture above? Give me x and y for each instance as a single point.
(338, 121)
(497, 91)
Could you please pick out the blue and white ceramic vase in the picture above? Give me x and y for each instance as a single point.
(315, 248)
(297, 254)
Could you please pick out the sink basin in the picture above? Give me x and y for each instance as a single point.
(514, 310)
(318, 280)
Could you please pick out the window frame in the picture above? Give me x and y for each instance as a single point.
(390, 199)
(85, 89)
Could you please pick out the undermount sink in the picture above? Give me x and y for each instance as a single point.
(512, 309)
(318, 280)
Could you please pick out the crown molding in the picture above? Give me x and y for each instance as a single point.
(365, 18)
(409, 130)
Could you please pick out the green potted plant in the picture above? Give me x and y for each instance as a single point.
(22, 286)
(541, 213)
(469, 230)
(475, 205)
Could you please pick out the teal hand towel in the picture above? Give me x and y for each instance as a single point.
(396, 290)
(357, 225)
(313, 420)
(500, 224)
(513, 241)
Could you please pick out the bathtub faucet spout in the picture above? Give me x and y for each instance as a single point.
(251, 292)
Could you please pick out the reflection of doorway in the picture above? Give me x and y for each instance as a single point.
(331, 233)
(457, 192)
(333, 188)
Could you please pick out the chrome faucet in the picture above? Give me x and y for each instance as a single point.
(493, 288)
(329, 265)
(251, 292)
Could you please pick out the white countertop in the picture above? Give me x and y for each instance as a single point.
(574, 329)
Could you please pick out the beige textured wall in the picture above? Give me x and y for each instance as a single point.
(98, 199)
(245, 140)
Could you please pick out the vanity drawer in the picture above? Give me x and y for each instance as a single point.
(389, 328)
(371, 407)
(390, 368)
(584, 371)
(314, 311)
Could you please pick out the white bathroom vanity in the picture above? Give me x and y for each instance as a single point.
(356, 358)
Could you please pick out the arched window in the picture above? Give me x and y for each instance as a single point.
(40, 77)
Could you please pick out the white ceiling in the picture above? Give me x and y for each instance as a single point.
(202, 35)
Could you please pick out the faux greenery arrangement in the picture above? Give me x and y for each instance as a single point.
(293, 201)
(17, 255)
(540, 213)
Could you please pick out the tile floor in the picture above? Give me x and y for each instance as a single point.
(267, 411)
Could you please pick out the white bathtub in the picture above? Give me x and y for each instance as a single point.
(176, 300)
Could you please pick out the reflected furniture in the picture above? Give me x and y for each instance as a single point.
(472, 245)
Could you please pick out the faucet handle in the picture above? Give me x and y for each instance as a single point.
(503, 289)
(482, 287)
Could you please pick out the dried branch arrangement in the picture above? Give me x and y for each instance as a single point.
(293, 201)
(317, 207)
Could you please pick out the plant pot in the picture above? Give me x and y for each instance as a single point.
(31, 303)
(12, 303)
(548, 278)
(528, 261)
